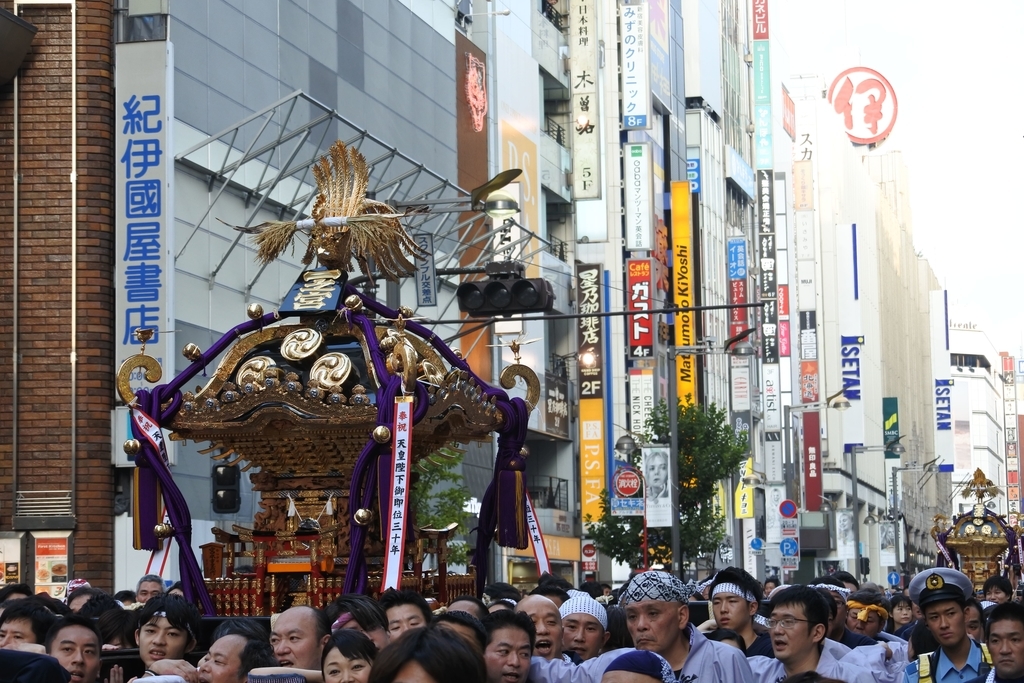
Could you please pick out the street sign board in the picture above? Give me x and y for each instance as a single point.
(626, 482)
(756, 544)
(627, 507)
(787, 509)
(789, 547)
(790, 528)
(790, 563)
(894, 578)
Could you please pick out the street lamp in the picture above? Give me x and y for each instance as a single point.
(894, 447)
(734, 346)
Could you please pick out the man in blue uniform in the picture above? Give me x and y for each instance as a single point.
(942, 596)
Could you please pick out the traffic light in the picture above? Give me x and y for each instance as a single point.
(227, 497)
(865, 565)
(505, 292)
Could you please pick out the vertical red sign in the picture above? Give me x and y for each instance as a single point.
(760, 19)
(639, 286)
(812, 461)
(738, 317)
(788, 114)
(783, 298)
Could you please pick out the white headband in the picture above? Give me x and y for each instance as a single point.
(733, 589)
(584, 604)
(843, 592)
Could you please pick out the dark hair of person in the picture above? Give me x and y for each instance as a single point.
(465, 619)
(71, 620)
(442, 657)
(352, 644)
(176, 586)
(392, 598)
(504, 618)
(367, 613)
(98, 604)
(618, 629)
(255, 655)
(497, 591)
(833, 608)
(593, 588)
(179, 613)
(974, 603)
(84, 590)
(14, 589)
(741, 578)
(553, 580)
(846, 577)
(721, 634)
(1006, 611)
(122, 596)
(1000, 582)
(119, 626)
(249, 629)
(810, 677)
(53, 604)
(901, 599)
(773, 580)
(829, 580)
(868, 597)
(32, 610)
(921, 642)
(815, 605)
(550, 590)
(476, 601)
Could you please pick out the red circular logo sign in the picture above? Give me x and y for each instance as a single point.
(626, 482)
(867, 104)
(589, 550)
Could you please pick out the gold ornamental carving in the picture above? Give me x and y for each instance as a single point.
(254, 370)
(331, 371)
(301, 344)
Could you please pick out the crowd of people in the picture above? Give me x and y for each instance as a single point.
(832, 629)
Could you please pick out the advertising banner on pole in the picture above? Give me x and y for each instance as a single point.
(654, 462)
(639, 195)
(636, 66)
(639, 297)
(586, 113)
(682, 290)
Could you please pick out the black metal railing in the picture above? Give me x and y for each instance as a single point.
(560, 21)
(549, 492)
(555, 131)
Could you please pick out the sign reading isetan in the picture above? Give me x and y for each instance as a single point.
(867, 104)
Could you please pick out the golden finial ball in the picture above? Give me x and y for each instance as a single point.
(524, 451)
(254, 311)
(363, 516)
(381, 434)
(132, 447)
(405, 311)
(353, 303)
(163, 531)
(192, 352)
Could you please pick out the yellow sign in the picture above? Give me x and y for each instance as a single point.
(565, 548)
(593, 478)
(682, 290)
(743, 505)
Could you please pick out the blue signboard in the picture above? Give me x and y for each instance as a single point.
(894, 579)
(693, 175)
(737, 258)
(789, 547)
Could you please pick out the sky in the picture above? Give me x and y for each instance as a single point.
(955, 68)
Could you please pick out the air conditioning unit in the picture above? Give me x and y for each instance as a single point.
(120, 431)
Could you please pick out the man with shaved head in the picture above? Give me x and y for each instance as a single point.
(547, 623)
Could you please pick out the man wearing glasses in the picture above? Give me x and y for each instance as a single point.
(799, 620)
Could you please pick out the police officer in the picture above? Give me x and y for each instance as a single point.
(942, 596)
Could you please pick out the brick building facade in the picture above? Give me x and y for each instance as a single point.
(42, 447)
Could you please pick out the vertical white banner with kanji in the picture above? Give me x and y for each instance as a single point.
(144, 202)
(398, 505)
(540, 551)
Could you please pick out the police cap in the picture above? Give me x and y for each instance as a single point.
(941, 583)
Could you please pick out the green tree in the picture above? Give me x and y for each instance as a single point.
(439, 496)
(709, 451)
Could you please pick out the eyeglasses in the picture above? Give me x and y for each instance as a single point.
(786, 622)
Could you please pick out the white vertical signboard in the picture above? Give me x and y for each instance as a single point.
(636, 65)
(144, 202)
(586, 116)
(656, 487)
(938, 313)
(851, 333)
(638, 171)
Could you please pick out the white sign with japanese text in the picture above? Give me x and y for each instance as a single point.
(638, 172)
(585, 128)
(636, 65)
(144, 202)
(398, 505)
